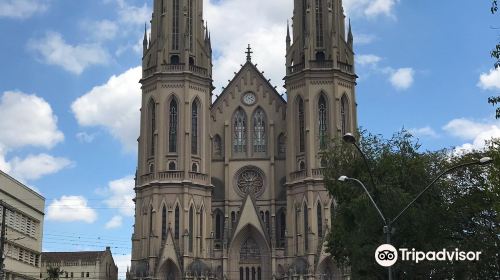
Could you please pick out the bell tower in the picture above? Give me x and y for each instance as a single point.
(320, 81)
(172, 228)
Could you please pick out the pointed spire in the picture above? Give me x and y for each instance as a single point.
(349, 35)
(145, 40)
(288, 40)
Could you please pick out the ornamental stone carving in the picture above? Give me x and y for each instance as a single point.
(249, 180)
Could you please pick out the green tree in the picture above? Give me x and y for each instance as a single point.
(495, 53)
(54, 273)
(459, 211)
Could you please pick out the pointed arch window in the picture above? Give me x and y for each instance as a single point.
(302, 135)
(280, 228)
(281, 145)
(177, 222)
(190, 23)
(344, 114)
(304, 18)
(194, 127)
(240, 132)
(151, 220)
(306, 228)
(259, 131)
(201, 230)
(323, 122)
(320, 220)
(191, 228)
(172, 130)
(319, 23)
(217, 146)
(175, 24)
(164, 223)
(152, 127)
(219, 225)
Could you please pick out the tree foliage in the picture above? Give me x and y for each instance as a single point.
(459, 211)
(495, 53)
(54, 273)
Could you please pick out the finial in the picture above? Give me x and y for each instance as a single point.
(249, 53)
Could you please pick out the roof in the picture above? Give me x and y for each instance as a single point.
(72, 256)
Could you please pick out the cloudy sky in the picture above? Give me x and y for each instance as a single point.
(69, 92)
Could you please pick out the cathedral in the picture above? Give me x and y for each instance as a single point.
(232, 187)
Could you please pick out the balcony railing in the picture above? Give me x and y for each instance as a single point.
(345, 67)
(316, 173)
(173, 68)
(173, 176)
(296, 68)
(321, 63)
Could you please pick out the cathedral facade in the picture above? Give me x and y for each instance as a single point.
(232, 187)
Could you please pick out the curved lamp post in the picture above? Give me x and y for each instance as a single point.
(349, 138)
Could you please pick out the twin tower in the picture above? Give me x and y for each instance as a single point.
(232, 187)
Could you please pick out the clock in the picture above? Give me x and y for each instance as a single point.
(249, 98)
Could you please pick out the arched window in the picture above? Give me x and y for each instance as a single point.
(320, 220)
(249, 251)
(301, 116)
(194, 127)
(281, 145)
(217, 146)
(302, 165)
(152, 127)
(268, 221)
(344, 114)
(177, 222)
(175, 25)
(240, 133)
(233, 219)
(304, 20)
(219, 225)
(297, 233)
(319, 23)
(323, 122)
(194, 167)
(172, 130)
(201, 230)
(241, 274)
(306, 228)
(280, 228)
(151, 220)
(259, 131)
(191, 228)
(171, 166)
(164, 223)
(190, 23)
(259, 273)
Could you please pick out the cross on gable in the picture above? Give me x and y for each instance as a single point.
(249, 53)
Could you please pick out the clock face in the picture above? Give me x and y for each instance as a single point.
(249, 98)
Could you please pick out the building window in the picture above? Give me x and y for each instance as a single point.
(306, 228)
(194, 128)
(259, 131)
(320, 220)
(249, 251)
(219, 225)
(164, 223)
(172, 130)
(151, 220)
(190, 23)
(344, 114)
(281, 145)
(302, 132)
(191, 228)
(239, 138)
(302, 165)
(323, 122)
(171, 166)
(175, 25)
(201, 230)
(177, 222)
(194, 167)
(319, 23)
(304, 19)
(280, 228)
(152, 126)
(88, 274)
(217, 146)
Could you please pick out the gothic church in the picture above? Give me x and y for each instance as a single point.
(232, 187)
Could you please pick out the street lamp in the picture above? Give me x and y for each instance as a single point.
(349, 138)
(388, 223)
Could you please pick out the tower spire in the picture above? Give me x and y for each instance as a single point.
(349, 35)
(145, 40)
(288, 40)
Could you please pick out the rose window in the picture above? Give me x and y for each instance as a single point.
(250, 181)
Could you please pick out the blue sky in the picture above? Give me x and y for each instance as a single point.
(69, 92)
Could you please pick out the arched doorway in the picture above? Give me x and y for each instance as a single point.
(327, 270)
(170, 271)
(249, 256)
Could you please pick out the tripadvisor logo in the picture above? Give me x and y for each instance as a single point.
(386, 255)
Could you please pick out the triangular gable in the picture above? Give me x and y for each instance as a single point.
(169, 251)
(237, 77)
(249, 216)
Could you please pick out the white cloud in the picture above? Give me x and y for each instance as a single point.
(84, 137)
(426, 131)
(363, 39)
(120, 194)
(122, 262)
(21, 9)
(27, 120)
(53, 50)
(370, 8)
(402, 78)
(115, 222)
(368, 59)
(71, 209)
(490, 81)
(101, 30)
(34, 167)
(114, 106)
(477, 133)
(133, 14)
